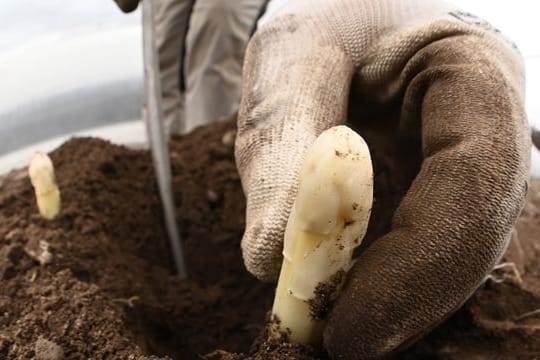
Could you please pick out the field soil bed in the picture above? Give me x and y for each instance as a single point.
(98, 281)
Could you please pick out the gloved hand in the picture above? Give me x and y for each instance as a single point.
(443, 92)
(127, 5)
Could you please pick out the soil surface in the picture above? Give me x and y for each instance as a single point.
(98, 282)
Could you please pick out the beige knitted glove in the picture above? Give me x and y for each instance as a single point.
(431, 78)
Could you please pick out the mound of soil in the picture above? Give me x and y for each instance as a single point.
(98, 281)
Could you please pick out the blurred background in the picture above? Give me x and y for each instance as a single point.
(67, 67)
(75, 68)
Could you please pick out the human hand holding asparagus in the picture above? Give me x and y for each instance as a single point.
(448, 90)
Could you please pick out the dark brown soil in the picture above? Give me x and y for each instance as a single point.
(325, 294)
(98, 282)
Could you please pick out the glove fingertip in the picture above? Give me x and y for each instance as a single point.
(261, 251)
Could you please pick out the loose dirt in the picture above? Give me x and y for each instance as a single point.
(98, 281)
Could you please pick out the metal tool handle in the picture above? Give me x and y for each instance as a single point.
(156, 136)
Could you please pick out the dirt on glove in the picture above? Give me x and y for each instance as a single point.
(98, 282)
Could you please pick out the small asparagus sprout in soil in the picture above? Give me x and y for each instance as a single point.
(328, 220)
(41, 172)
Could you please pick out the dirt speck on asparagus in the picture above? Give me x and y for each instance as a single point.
(107, 288)
(325, 294)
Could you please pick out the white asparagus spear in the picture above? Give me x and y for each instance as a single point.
(41, 172)
(327, 222)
